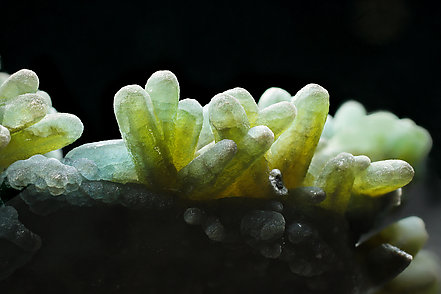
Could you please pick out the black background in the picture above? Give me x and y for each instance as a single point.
(386, 54)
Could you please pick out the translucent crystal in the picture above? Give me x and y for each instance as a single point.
(228, 118)
(200, 174)
(54, 131)
(111, 158)
(188, 126)
(23, 111)
(293, 150)
(206, 136)
(272, 96)
(251, 148)
(336, 180)
(5, 136)
(47, 174)
(247, 101)
(141, 133)
(382, 177)
(379, 135)
(163, 89)
(22, 82)
(278, 117)
(408, 234)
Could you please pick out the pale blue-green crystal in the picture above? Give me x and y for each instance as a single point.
(46, 174)
(5, 136)
(382, 177)
(227, 118)
(22, 111)
(247, 101)
(272, 96)
(379, 135)
(47, 99)
(111, 158)
(22, 82)
(278, 117)
(163, 89)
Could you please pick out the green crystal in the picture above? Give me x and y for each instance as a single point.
(188, 126)
(163, 89)
(141, 133)
(111, 158)
(293, 150)
(278, 117)
(22, 82)
(200, 174)
(382, 177)
(247, 101)
(23, 111)
(273, 96)
(53, 132)
(228, 118)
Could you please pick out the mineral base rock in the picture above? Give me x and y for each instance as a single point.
(115, 249)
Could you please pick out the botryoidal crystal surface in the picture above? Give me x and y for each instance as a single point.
(281, 177)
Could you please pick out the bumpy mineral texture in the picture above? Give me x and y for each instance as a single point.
(29, 124)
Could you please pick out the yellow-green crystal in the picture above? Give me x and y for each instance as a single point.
(247, 101)
(22, 82)
(140, 131)
(336, 180)
(227, 118)
(278, 117)
(382, 177)
(250, 149)
(198, 177)
(188, 126)
(53, 132)
(23, 111)
(163, 89)
(293, 150)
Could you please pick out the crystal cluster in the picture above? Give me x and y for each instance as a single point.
(29, 124)
(280, 175)
(228, 147)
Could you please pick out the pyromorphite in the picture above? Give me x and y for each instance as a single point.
(22, 82)
(278, 117)
(247, 101)
(293, 150)
(250, 149)
(23, 111)
(227, 118)
(200, 174)
(187, 129)
(272, 96)
(54, 131)
(140, 131)
(382, 177)
(163, 88)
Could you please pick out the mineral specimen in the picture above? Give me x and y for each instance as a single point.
(281, 175)
(29, 124)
